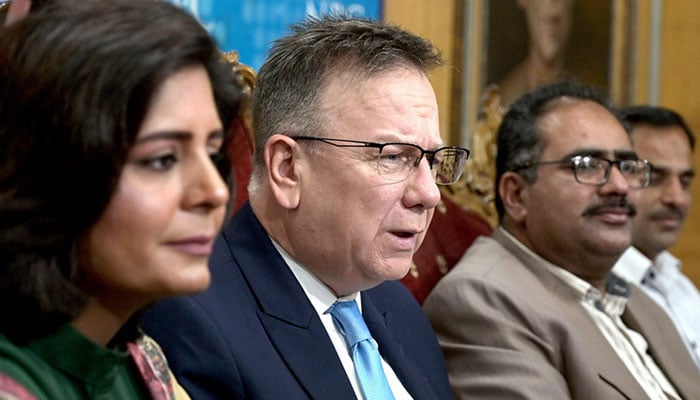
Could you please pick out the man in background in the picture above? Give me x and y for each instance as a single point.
(661, 136)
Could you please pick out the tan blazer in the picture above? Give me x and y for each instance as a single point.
(511, 330)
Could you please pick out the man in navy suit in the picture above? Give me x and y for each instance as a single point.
(343, 190)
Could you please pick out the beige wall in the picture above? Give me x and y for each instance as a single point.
(435, 20)
(438, 20)
(680, 90)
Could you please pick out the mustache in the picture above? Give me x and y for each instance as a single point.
(613, 202)
(669, 211)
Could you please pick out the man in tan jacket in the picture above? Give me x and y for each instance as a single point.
(533, 312)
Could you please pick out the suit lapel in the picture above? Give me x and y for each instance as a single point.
(310, 356)
(379, 324)
(665, 345)
(286, 313)
(601, 354)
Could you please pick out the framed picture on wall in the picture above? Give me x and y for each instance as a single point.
(512, 46)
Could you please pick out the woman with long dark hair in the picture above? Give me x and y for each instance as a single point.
(112, 115)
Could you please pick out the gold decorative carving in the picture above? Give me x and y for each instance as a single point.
(245, 77)
(475, 190)
(441, 263)
(414, 270)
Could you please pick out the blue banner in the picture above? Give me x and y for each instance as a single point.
(250, 26)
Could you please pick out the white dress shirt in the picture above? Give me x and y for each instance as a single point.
(664, 282)
(322, 298)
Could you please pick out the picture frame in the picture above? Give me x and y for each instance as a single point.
(613, 45)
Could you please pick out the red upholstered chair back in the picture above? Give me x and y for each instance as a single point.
(242, 143)
(451, 232)
(467, 210)
(240, 153)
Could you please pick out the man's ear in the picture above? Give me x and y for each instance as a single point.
(514, 191)
(281, 158)
(17, 10)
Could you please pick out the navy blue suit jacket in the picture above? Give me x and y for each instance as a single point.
(254, 334)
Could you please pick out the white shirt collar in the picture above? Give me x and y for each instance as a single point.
(613, 302)
(319, 294)
(666, 260)
(632, 266)
(665, 274)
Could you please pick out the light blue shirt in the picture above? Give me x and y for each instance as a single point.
(664, 282)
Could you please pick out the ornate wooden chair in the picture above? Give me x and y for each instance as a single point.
(242, 143)
(451, 232)
(467, 208)
(476, 189)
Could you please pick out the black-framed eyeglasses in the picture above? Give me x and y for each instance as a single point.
(590, 170)
(397, 161)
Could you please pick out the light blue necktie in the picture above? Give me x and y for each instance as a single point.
(365, 355)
